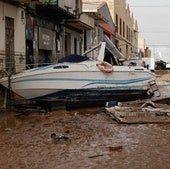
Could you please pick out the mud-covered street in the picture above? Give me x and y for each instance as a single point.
(94, 141)
(93, 137)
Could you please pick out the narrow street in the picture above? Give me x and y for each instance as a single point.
(59, 55)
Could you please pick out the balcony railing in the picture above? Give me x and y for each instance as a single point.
(69, 6)
(51, 1)
(28, 1)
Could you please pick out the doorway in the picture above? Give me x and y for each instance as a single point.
(29, 54)
(9, 44)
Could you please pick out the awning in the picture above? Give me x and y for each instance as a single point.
(107, 28)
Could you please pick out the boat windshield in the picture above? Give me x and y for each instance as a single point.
(73, 58)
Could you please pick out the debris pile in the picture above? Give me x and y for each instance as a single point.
(149, 112)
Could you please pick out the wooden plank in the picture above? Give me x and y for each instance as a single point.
(133, 115)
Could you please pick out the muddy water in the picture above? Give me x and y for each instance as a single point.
(95, 142)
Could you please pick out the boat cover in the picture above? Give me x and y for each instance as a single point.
(73, 58)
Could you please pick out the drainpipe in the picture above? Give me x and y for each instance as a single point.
(63, 37)
(57, 3)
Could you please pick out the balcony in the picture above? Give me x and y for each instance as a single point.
(85, 22)
(55, 10)
(22, 2)
(27, 1)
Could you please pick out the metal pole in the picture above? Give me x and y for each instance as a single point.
(7, 96)
(63, 37)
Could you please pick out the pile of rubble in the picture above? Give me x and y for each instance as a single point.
(148, 112)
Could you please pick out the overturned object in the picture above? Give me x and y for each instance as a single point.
(55, 138)
(143, 114)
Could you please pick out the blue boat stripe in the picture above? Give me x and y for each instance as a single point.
(119, 81)
(88, 80)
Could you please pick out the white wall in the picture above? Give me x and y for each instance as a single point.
(2, 28)
(19, 32)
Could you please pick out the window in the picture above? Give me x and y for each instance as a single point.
(127, 32)
(75, 45)
(120, 26)
(131, 39)
(117, 23)
(85, 40)
(61, 67)
(123, 29)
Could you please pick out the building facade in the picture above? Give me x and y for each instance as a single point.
(103, 19)
(143, 50)
(104, 25)
(54, 35)
(40, 32)
(12, 35)
(126, 26)
(141, 47)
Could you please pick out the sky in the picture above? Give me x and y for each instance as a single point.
(153, 17)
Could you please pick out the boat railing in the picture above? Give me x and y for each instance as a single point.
(101, 46)
(91, 49)
(31, 66)
(18, 68)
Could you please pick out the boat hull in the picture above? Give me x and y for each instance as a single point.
(68, 85)
(79, 78)
(81, 82)
(97, 95)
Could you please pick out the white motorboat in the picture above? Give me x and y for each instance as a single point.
(85, 79)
